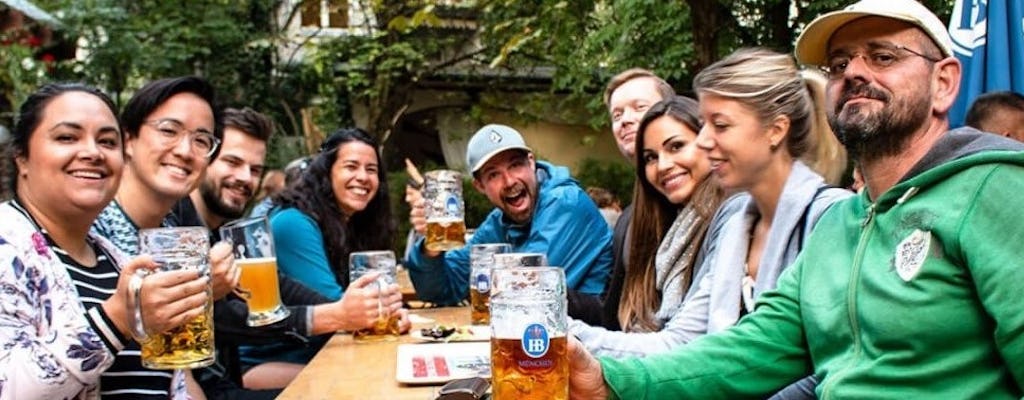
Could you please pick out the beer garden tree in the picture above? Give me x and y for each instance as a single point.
(234, 44)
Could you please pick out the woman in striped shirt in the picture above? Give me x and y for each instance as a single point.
(68, 154)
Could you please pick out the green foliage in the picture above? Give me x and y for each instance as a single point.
(233, 44)
(20, 74)
(617, 177)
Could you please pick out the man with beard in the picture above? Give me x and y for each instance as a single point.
(908, 290)
(539, 208)
(233, 177)
(229, 184)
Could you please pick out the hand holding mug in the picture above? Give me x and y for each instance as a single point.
(224, 273)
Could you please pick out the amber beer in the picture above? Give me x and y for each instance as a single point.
(259, 282)
(518, 375)
(481, 260)
(480, 306)
(253, 246)
(529, 349)
(386, 328)
(444, 209)
(187, 346)
(445, 234)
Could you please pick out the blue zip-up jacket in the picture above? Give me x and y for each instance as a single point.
(566, 226)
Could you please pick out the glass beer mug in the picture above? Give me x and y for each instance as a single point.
(191, 344)
(529, 353)
(481, 260)
(253, 247)
(386, 328)
(444, 209)
(507, 260)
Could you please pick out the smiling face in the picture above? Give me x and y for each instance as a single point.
(74, 158)
(354, 176)
(627, 105)
(875, 111)
(737, 142)
(509, 180)
(171, 170)
(673, 164)
(234, 176)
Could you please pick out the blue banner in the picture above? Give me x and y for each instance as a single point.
(988, 39)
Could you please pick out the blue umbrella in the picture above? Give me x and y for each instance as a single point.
(988, 39)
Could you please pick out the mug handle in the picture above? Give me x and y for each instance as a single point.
(138, 329)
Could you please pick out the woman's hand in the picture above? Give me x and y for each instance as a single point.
(363, 303)
(168, 298)
(404, 323)
(224, 273)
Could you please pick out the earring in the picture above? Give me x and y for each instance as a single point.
(774, 145)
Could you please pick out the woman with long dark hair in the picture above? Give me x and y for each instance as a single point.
(338, 205)
(344, 192)
(671, 233)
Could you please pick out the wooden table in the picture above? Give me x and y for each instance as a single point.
(344, 369)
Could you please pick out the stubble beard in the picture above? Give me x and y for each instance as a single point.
(215, 205)
(870, 136)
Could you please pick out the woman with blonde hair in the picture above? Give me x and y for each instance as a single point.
(762, 115)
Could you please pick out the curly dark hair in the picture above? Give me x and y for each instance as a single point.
(313, 194)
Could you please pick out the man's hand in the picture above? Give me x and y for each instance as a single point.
(417, 212)
(224, 273)
(586, 380)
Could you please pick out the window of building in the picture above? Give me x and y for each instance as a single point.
(324, 13)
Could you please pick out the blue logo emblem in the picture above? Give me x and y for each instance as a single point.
(452, 206)
(535, 340)
(483, 284)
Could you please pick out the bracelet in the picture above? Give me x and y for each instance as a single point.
(138, 329)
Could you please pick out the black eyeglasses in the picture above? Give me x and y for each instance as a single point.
(877, 59)
(173, 132)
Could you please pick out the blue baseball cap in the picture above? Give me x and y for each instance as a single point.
(489, 141)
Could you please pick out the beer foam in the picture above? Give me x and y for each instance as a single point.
(444, 220)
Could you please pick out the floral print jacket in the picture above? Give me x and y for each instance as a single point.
(50, 349)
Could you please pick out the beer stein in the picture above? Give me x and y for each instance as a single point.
(445, 210)
(529, 353)
(507, 260)
(481, 259)
(191, 344)
(253, 246)
(360, 263)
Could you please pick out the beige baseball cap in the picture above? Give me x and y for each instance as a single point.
(812, 46)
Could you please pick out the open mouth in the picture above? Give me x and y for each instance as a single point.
(88, 174)
(516, 197)
(177, 170)
(359, 190)
(675, 180)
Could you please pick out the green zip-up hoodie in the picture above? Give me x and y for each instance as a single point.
(917, 295)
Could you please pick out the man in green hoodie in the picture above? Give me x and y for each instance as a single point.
(909, 290)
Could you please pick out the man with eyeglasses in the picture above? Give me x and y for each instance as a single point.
(171, 132)
(909, 290)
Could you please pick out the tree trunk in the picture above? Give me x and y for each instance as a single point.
(709, 18)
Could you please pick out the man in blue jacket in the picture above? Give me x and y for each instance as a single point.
(539, 209)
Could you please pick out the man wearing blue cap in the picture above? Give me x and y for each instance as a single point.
(539, 209)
